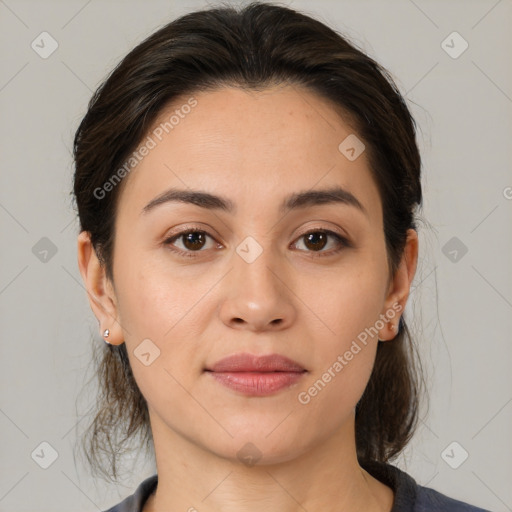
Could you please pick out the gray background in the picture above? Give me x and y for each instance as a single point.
(461, 305)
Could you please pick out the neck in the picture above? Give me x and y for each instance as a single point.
(324, 477)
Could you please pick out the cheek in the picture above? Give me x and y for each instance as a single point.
(343, 359)
(159, 318)
(348, 309)
(167, 310)
(152, 300)
(348, 304)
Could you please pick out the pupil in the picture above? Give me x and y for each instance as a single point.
(191, 241)
(313, 236)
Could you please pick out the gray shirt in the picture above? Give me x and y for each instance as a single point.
(409, 496)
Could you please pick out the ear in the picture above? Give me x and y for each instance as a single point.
(400, 285)
(99, 289)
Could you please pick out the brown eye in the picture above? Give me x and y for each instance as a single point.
(193, 240)
(316, 240)
(189, 242)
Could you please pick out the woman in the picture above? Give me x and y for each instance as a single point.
(247, 184)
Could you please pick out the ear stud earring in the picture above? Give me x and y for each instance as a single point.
(106, 334)
(392, 326)
(397, 326)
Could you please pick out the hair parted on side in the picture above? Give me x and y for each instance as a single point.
(251, 47)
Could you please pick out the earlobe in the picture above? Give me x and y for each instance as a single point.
(99, 290)
(400, 286)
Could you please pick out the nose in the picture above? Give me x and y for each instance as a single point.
(258, 296)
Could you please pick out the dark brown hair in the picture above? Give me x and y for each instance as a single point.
(253, 47)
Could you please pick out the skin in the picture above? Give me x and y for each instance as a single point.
(255, 149)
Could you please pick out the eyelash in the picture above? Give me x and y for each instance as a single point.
(342, 241)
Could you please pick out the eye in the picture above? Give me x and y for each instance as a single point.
(192, 240)
(317, 240)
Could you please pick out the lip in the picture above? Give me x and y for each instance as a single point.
(246, 362)
(257, 384)
(256, 375)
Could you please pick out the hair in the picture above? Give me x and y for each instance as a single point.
(253, 47)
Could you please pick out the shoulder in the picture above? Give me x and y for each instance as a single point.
(135, 501)
(429, 499)
(411, 497)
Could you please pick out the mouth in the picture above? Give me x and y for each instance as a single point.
(256, 375)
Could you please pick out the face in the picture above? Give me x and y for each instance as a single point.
(263, 273)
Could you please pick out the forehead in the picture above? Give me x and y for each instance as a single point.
(255, 146)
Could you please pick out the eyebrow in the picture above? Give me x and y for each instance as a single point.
(295, 201)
